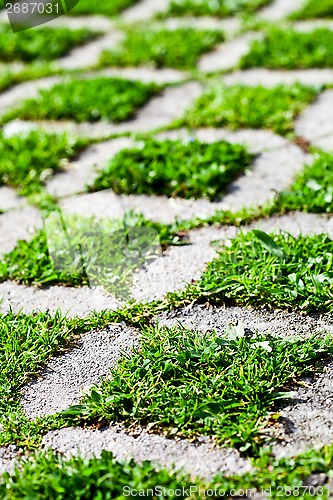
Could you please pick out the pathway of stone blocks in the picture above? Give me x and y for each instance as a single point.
(277, 161)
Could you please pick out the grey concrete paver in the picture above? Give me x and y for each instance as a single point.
(61, 383)
(17, 225)
(280, 9)
(227, 55)
(89, 54)
(81, 172)
(271, 78)
(145, 10)
(82, 301)
(195, 459)
(10, 199)
(315, 124)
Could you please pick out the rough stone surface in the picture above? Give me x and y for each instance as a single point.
(206, 318)
(81, 172)
(227, 55)
(316, 123)
(195, 459)
(69, 301)
(17, 225)
(60, 385)
(145, 10)
(270, 78)
(9, 199)
(307, 418)
(89, 55)
(279, 9)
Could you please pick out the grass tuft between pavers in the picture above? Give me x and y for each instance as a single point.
(313, 8)
(50, 475)
(291, 49)
(219, 8)
(188, 384)
(27, 160)
(312, 190)
(256, 107)
(42, 44)
(105, 8)
(172, 168)
(87, 100)
(277, 270)
(75, 250)
(160, 47)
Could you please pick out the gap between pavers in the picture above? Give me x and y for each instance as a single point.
(81, 172)
(271, 78)
(27, 90)
(196, 459)
(272, 171)
(159, 112)
(178, 266)
(60, 384)
(228, 55)
(280, 9)
(315, 124)
(307, 418)
(10, 199)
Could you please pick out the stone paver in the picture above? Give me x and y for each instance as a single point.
(64, 378)
(17, 225)
(9, 199)
(197, 460)
(280, 9)
(227, 55)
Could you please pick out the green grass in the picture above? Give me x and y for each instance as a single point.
(105, 8)
(28, 160)
(171, 168)
(278, 271)
(108, 99)
(26, 343)
(50, 476)
(291, 50)
(42, 44)
(254, 107)
(219, 8)
(178, 48)
(11, 75)
(312, 190)
(91, 251)
(313, 9)
(186, 383)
